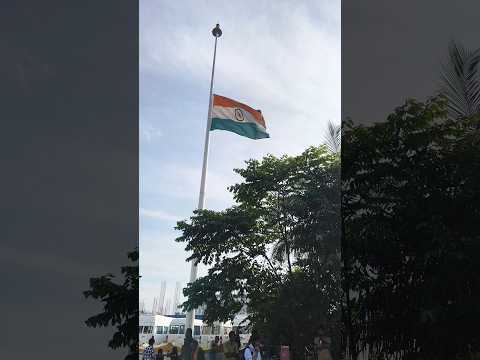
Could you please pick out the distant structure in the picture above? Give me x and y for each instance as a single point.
(154, 307)
(163, 304)
(176, 298)
(168, 306)
(161, 300)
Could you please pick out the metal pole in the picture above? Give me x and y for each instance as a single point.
(201, 199)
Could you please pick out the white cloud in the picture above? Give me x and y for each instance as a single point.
(158, 215)
(149, 132)
(284, 62)
(281, 57)
(183, 182)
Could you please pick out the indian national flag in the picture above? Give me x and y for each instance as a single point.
(228, 114)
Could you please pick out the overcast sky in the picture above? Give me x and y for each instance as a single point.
(281, 57)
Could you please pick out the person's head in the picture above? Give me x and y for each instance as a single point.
(216, 339)
(231, 335)
(257, 344)
(160, 351)
(320, 331)
(188, 333)
(151, 341)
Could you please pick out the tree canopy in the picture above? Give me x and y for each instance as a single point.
(276, 251)
(411, 238)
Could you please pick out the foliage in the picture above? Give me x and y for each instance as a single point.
(461, 81)
(333, 137)
(120, 306)
(276, 250)
(410, 195)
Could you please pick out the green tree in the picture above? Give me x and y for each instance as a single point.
(276, 250)
(120, 306)
(411, 237)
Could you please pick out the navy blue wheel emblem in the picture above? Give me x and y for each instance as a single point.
(239, 116)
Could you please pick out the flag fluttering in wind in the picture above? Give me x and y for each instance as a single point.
(230, 115)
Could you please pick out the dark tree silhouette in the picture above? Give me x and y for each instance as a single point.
(120, 306)
(411, 189)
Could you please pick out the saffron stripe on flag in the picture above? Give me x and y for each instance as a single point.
(231, 115)
(229, 103)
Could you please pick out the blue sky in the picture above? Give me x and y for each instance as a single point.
(282, 57)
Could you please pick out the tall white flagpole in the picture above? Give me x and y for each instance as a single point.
(216, 32)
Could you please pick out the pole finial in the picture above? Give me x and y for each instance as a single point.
(217, 32)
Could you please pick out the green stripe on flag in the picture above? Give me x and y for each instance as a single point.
(247, 129)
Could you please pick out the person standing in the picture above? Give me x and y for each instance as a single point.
(197, 351)
(187, 345)
(237, 338)
(214, 349)
(174, 353)
(322, 345)
(148, 353)
(231, 348)
(253, 351)
(220, 349)
(160, 355)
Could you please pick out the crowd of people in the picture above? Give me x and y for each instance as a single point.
(230, 350)
(149, 352)
(191, 350)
